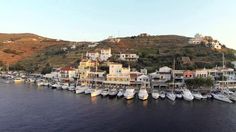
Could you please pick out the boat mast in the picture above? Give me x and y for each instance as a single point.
(173, 76)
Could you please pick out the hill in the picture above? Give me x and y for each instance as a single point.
(16, 47)
(153, 51)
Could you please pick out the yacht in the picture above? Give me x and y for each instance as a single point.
(105, 92)
(143, 94)
(129, 93)
(197, 95)
(162, 94)
(187, 95)
(112, 92)
(95, 92)
(120, 93)
(18, 80)
(155, 94)
(56, 86)
(221, 97)
(80, 89)
(171, 96)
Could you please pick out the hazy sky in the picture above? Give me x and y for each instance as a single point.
(97, 19)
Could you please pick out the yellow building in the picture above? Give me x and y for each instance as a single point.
(83, 70)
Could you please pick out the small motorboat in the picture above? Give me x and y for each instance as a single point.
(162, 94)
(112, 92)
(120, 93)
(95, 92)
(105, 92)
(129, 93)
(171, 96)
(143, 94)
(187, 95)
(197, 95)
(221, 97)
(155, 94)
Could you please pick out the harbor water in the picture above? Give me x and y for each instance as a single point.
(25, 107)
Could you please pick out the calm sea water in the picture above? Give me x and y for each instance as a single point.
(26, 108)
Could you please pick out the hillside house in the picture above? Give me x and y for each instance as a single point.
(105, 54)
(129, 57)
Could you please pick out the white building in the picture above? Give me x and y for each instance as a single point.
(67, 74)
(118, 75)
(144, 81)
(92, 55)
(234, 63)
(105, 54)
(216, 45)
(198, 38)
(201, 73)
(129, 57)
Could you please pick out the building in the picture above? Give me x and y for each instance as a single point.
(92, 55)
(144, 81)
(234, 63)
(129, 57)
(159, 78)
(198, 39)
(201, 73)
(216, 45)
(84, 69)
(118, 75)
(222, 73)
(105, 54)
(133, 77)
(67, 74)
(93, 45)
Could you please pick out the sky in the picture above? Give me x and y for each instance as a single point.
(94, 20)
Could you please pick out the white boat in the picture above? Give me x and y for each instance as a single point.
(197, 95)
(209, 96)
(129, 93)
(155, 94)
(143, 94)
(88, 90)
(18, 80)
(112, 92)
(171, 96)
(95, 92)
(80, 89)
(227, 91)
(56, 86)
(204, 96)
(178, 94)
(221, 97)
(162, 94)
(39, 83)
(105, 92)
(65, 86)
(71, 87)
(187, 95)
(120, 93)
